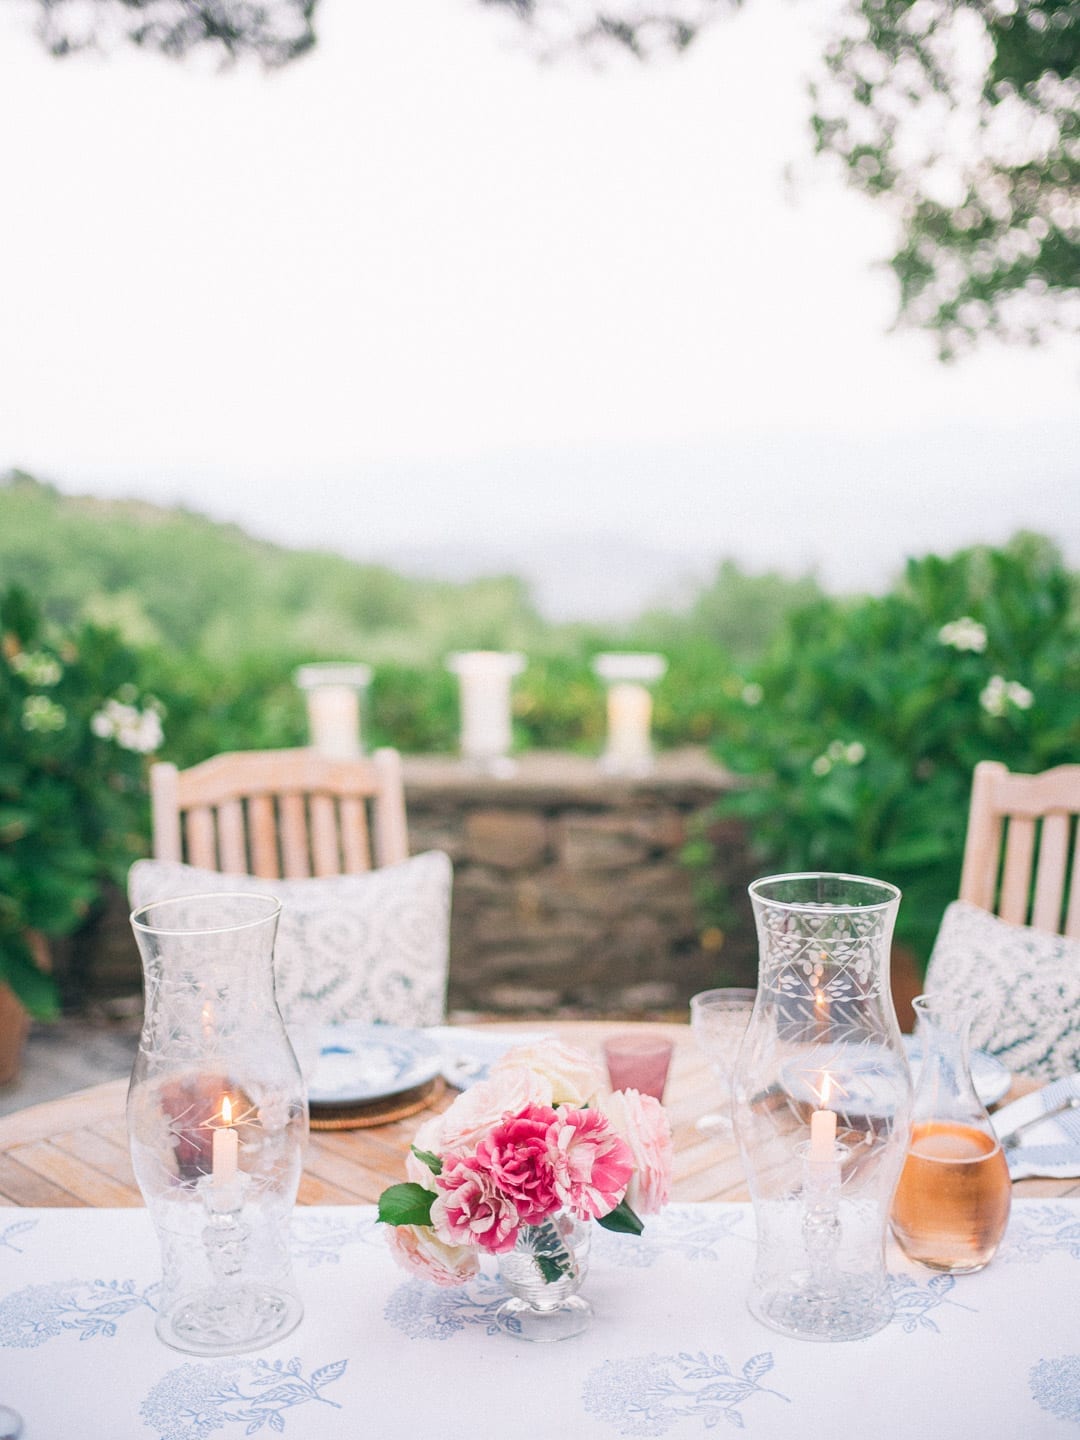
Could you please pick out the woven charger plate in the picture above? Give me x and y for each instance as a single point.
(376, 1112)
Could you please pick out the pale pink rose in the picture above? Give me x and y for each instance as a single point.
(516, 1156)
(643, 1123)
(419, 1249)
(574, 1076)
(429, 1138)
(479, 1109)
(470, 1209)
(592, 1164)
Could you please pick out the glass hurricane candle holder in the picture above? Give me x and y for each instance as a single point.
(822, 1104)
(217, 1119)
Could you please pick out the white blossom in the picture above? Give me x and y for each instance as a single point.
(37, 668)
(964, 634)
(130, 727)
(822, 765)
(998, 694)
(752, 694)
(42, 714)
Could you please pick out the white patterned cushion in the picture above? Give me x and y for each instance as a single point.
(371, 947)
(1024, 985)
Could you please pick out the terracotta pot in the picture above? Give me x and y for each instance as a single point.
(14, 1026)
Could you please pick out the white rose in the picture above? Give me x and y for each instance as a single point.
(575, 1077)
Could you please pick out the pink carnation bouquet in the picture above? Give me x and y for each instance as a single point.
(534, 1139)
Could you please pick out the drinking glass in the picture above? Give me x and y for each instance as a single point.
(638, 1062)
(719, 1019)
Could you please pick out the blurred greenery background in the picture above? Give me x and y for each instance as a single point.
(853, 722)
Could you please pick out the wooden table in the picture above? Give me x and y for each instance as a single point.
(74, 1151)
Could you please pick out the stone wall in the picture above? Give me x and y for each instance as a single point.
(569, 890)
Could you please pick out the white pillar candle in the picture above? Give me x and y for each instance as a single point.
(822, 1134)
(226, 1149)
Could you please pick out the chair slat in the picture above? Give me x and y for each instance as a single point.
(232, 840)
(325, 854)
(1050, 878)
(201, 838)
(1072, 916)
(294, 837)
(355, 847)
(1016, 877)
(262, 827)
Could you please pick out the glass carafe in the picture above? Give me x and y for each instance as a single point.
(217, 1119)
(952, 1203)
(822, 1104)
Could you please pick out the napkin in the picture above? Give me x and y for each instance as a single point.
(467, 1055)
(1050, 1146)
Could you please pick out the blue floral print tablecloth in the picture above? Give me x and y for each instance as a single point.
(672, 1350)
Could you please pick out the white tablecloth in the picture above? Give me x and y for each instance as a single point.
(672, 1350)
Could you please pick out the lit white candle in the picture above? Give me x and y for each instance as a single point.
(823, 1127)
(226, 1148)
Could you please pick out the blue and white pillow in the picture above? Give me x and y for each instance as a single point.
(373, 947)
(1024, 985)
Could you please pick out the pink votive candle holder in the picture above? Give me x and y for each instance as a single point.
(638, 1062)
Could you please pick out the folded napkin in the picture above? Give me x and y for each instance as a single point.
(467, 1055)
(1046, 1146)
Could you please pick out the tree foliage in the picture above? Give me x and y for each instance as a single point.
(272, 31)
(965, 116)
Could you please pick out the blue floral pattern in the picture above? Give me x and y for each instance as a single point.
(648, 1394)
(89, 1308)
(1055, 1385)
(1038, 1231)
(320, 1240)
(426, 1312)
(913, 1300)
(686, 1232)
(195, 1399)
(20, 1227)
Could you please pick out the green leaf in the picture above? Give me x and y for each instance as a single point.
(553, 1267)
(406, 1204)
(622, 1220)
(433, 1163)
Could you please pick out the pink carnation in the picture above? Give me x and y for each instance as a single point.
(643, 1124)
(470, 1209)
(417, 1248)
(516, 1156)
(592, 1164)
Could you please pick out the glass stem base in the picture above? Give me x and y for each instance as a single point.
(230, 1320)
(544, 1323)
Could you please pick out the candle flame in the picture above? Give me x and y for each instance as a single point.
(826, 1086)
(226, 1110)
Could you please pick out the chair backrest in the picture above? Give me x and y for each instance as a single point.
(1021, 837)
(281, 813)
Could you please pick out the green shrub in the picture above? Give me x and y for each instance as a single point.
(75, 731)
(859, 732)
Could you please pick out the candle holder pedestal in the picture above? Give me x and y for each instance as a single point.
(217, 1120)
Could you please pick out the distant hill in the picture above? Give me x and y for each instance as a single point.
(171, 577)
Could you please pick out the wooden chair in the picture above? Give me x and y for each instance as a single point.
(281, 814)
(1022, 833)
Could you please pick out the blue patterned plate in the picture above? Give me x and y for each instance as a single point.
(360, 1062)
(990, 1077)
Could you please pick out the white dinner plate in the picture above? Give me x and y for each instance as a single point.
(468, 1055)
(990, 1077)
(370, 1062)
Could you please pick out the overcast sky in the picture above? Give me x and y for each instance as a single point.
(420, 290)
